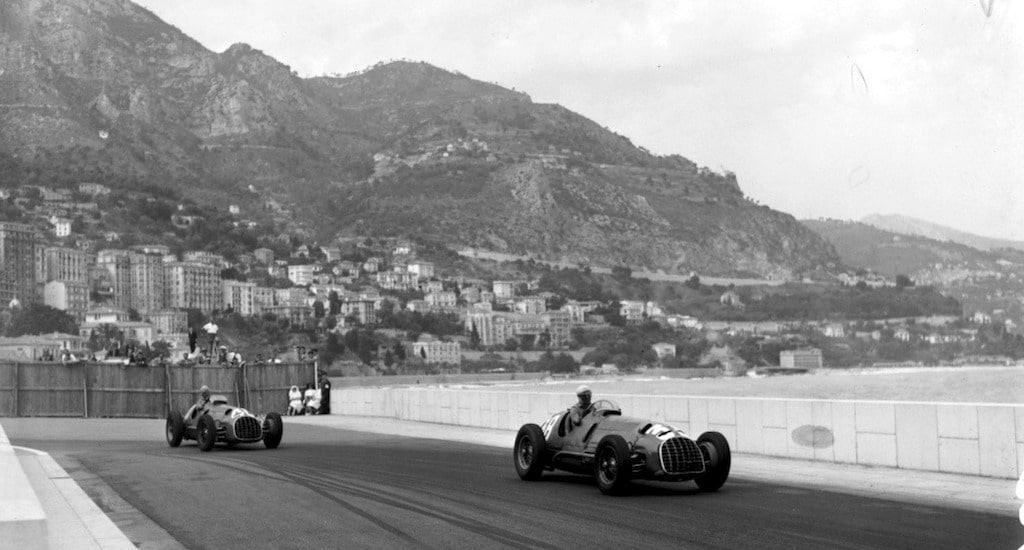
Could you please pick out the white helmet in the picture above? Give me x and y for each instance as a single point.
(582, 390)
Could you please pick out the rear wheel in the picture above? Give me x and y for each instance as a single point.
(528, 453)
(206, 433)
(611, 465)
(273, 429)
(175, 428)
(717, 461)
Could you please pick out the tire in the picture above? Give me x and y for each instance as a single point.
(206, 433)
(528, 452)
(175, 428)
(273, 429)
(612, 467)
(717, 461)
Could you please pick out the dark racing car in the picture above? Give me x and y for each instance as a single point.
(615, 449)
(220, 422)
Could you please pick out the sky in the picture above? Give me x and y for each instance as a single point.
(822, 109)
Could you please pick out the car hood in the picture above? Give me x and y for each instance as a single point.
(623, 424)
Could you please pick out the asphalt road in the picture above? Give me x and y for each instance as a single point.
(326, 488)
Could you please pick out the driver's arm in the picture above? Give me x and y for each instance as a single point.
(575, 415)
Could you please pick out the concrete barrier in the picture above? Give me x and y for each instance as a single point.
(22, 519)
(964, 438)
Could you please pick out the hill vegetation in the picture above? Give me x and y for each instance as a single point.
(104, 91)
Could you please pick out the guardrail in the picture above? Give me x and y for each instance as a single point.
(965, 438)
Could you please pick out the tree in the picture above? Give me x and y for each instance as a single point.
(318, 309)
(133, 315)
(335, 302)
(40, 319)
(399, 351)
(902, 281)
(527, 341)
(544, 340)
(389, 359)
(693, 282)
(474, 338)
(622, 273)
(160, 348)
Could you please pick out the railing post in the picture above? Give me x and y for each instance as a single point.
(167, 389)
(17, 386)
(85, 389)
(245, 385)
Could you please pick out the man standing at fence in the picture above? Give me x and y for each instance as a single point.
(192, 337)
(325, 394)
(211, 333)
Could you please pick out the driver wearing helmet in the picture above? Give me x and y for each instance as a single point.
(582, 407)
(204, 400)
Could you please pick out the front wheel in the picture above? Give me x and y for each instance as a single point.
(528, 453)
(612, 467)
(206, 433)
(273, 429)
(175, 428)
(717, 461)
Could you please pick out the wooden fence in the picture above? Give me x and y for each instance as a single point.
(110, 390)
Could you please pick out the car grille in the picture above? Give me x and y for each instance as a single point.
(680, 455)
(248, 428)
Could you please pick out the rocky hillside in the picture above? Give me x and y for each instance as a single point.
(103, 90)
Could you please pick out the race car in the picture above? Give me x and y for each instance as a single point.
(615, 449)
(217, 421)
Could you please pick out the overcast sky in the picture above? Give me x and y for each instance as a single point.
(822, 109)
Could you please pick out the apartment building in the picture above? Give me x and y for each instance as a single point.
(435, 351)
(363, 310)
(301, 275)
(809, 358)
(504, 289)
(68, 296)
(239, 297)
(64, 264)
(423, 270)
(19, 244)
(193, 285)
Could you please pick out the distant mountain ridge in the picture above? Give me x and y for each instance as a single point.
(890, 253)
(906, 225)
(103, 90)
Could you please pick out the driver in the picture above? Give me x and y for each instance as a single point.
(582, 407)
(204, 400)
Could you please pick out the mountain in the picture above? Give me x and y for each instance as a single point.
(906, 225)
(104, 91)
(890, 253)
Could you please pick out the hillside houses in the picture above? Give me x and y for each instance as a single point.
(147, 292)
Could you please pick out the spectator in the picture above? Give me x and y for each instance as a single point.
(311, 400)
(192, 338)
(325, 394)
(295, 405)
(211, 329)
